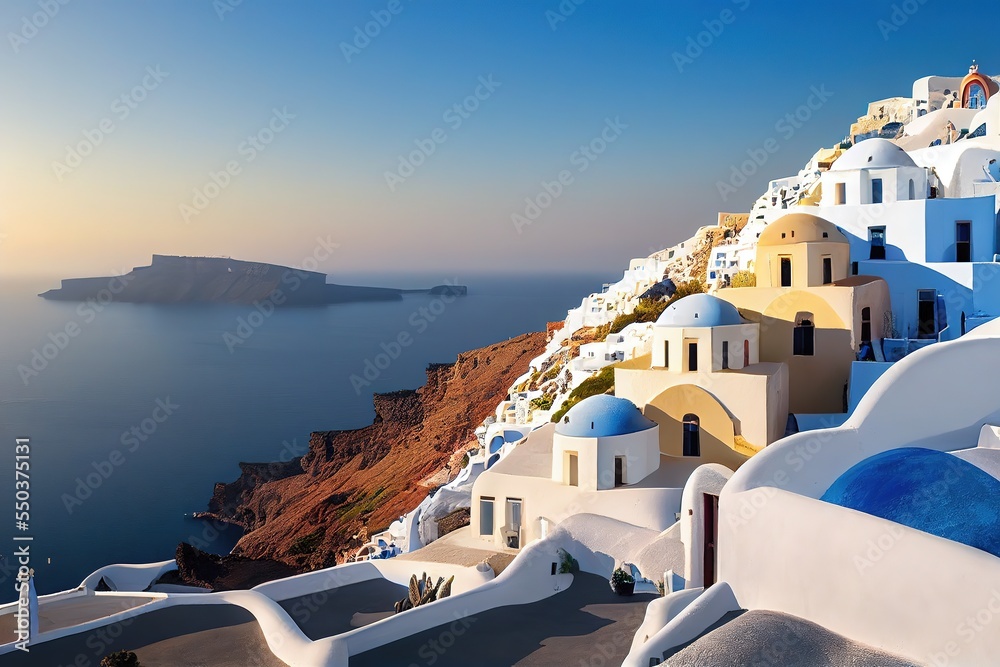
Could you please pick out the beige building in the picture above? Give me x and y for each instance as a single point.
(705, 386)
(813, 315)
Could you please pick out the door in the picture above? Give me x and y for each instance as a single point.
(927, 326)
(574, 470)
(619, 470)
(786, 271)
(711, 536)
(876, 237)
(746, 353)
(827, 270)
(692, 356)
(514, 523)
(866, 325)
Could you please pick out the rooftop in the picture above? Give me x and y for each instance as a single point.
(699, 310)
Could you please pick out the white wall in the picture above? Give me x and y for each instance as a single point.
(783, 549)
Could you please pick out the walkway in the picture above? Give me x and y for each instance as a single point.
(587, 622)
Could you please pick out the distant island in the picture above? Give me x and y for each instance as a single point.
(170, 279)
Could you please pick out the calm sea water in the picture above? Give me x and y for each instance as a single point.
(102, 493)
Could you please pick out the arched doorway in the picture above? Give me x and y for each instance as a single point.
(692, 435)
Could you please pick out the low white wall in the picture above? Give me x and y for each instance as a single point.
(528, 579)
(320, 580)
(282, 635)
(127, 577)
(659, 612)
(908, 592)
(691, 621)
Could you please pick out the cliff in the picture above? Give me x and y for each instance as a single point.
(305, 513)
(170, 279)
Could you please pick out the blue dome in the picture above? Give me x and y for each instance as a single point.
(928, 490)
(601, 416)
(700, 310)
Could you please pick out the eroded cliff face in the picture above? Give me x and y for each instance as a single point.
(309, 512)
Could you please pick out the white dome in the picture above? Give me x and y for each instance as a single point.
(873, 154)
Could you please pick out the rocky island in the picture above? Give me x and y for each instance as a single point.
(171, 279)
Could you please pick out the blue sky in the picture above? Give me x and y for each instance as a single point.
(561, 75)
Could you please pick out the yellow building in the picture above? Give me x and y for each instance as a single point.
(813, 315)
(705, 386)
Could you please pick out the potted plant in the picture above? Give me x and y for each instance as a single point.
(622, 583)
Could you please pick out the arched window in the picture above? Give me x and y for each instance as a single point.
(692, 435)
(804, 339)
(975, 96)
(913, 189)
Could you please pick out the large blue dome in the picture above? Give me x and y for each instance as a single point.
(928, 490)
(601, 416)
(699, 310)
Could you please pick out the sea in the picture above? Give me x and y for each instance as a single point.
(131, 413)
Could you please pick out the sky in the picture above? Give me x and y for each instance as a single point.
(423, 135)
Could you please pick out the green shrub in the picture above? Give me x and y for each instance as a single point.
(567, 564)
(543, 402)
(743, 279)
(598, 384)
(306, 544)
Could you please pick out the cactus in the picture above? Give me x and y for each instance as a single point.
(444, 588)
(423, 591)
(414, 595)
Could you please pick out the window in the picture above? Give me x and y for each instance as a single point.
(866, 325)
(876, 237)
(804, 339)
(827, 270)
(725, 354)
(692, 356)
(963, 241)
(786, 271)
(913, 190)
(876, 190)
(692, 436)
(486, 516)
(840, 194)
